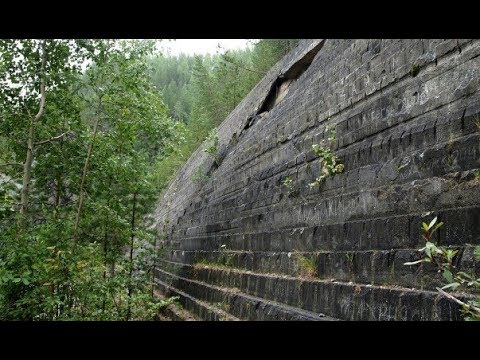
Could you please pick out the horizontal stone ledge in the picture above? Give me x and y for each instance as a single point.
(347, 301)
(240, 305)
(453, 191)
(200, 308)
(384, 267)
(462, 226)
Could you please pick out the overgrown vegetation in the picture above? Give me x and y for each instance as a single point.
(442, 257)
(77, 152)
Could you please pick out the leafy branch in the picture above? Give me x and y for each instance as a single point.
(442, 257)
(331, 164)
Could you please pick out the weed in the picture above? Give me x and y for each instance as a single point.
(401, 167)
(450, 160)
(414, 70)
(331, 133)
(200, 176)
(222, 306)
(349, 262)
(451, 140)
(288, 183)
(211, 142)
(307, 266)
(477, 122)
(330, 164)
(225, 259)
(442, 257)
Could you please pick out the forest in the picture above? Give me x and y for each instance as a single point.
(91, 132)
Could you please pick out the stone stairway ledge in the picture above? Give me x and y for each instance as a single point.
(241, 305)
(200, 308)
(340, 300)
(363, 267)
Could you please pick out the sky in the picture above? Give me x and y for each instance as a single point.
(200, 46)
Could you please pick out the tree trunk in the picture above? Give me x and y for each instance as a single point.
(58, 187)
(84, 175)
(27, 166)
(105, 251)
(129, 311)
(58, 192)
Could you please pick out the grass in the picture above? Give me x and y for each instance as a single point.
(401, 167)
(307, 266)
(225, 261)
(222, 306)
(477, 122)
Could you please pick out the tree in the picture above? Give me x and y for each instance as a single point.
(87, 185)
(31, 69)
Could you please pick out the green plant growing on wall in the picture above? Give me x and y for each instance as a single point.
(222, 306)
(330, 164)
(289, 185)
(451, 141)
(477, 122)
(200, 177)
(307, 266)
(332, 132)
(401, 166)
(211, 144)
(350, 257)
(442, 257)
(227, 257)
(414, 70)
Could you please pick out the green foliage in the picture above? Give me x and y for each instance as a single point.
(307, 266)
(200, 176)
(401, 166)
(350, 258)
(477, 122)
(211, 143)
(45, 274)
(414, 70)
(442, 257)
(224, 260)
(206, 89)
(9, 194)
(331, 164)
(172, 77)
(288, 183)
